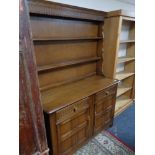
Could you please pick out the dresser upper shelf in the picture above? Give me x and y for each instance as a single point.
(125, 59)
(40, 39)
(59, 97)
(68, 63)
(122, 75)
(127, 41)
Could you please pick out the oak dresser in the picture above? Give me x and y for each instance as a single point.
(77, 99)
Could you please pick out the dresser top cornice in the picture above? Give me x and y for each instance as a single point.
(63, 10)
(123, 13)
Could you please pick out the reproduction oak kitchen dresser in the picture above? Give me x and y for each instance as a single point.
(77, 99)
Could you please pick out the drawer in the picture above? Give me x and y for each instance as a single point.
(72, 110)
(106, 92)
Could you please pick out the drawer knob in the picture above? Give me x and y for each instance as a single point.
(107, 92)
(74, 109)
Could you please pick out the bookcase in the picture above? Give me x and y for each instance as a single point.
(77, 99)
(119, 55)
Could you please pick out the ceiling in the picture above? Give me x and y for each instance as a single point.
(128, 1)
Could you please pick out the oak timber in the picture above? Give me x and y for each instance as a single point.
(56, 98)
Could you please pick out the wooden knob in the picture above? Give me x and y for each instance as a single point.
(75, 109)
(107, 92)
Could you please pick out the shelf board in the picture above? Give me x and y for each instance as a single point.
(123, 75)
(129, 19)
(122, 103)
(68, 63)
(122, 89)
(127, 41)
(125, 59)
(66, 39)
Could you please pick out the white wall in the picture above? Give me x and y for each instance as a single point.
(104, 5)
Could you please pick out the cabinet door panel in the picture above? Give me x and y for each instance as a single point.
(101, 121)
(68, 145)
(108, 116)
(104, 104)
(73, 123)
(104, 108)
(82, 135)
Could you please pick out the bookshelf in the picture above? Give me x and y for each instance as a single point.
(119, 55)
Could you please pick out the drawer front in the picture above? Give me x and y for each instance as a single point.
(105, 93)
(72, 110)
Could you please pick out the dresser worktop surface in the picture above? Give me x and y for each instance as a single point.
(59, 97)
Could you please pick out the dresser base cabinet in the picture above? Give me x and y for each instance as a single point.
(72, 126)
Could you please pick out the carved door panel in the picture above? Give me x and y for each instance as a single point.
(104, 108)
(73, 125)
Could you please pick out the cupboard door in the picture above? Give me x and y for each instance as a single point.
(103, 120)
(73, 131)
(104, 110)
